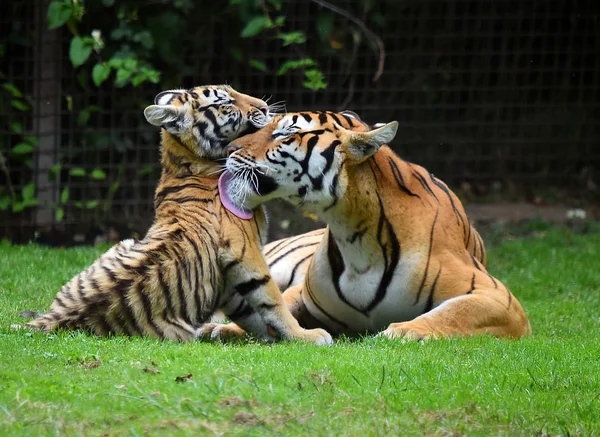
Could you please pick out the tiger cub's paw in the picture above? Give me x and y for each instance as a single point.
(408, 331)
(318, 336)
(219, 331)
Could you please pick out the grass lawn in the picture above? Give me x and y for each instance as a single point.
(548, 384)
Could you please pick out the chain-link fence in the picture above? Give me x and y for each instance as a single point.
(498, 98)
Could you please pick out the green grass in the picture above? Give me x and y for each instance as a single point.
(548, 384)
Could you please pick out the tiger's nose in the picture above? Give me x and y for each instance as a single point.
(231, 148)
(264, 109)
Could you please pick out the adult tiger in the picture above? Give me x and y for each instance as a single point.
(197, 257)
(399, 253)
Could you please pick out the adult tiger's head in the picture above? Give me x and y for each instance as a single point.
(302, 157)
(206, 118)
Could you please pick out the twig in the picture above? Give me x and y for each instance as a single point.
(369, 33)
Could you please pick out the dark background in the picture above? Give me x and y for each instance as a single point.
(501, 99)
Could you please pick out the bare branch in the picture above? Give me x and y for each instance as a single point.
(369, 33)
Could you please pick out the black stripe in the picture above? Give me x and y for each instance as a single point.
(306, 117)
(424, 184)
(213, 119)
(400, 179)
(336, 263)
(183, 311)
(247, 287)
(428, 258)
(166, 291)
(229, 266)
(148, 310)
(242, 310)
(482, 249)
(298, 264)
(332, 192)
(429, 304)
(59, 301)
(319, 307)
(390, 261)
(130, 323)
(476, 264)
(348, 119)
(357, 235)
(335, 117)
(472, 285)
(186, 199)
(302, 246)
(445, 189)
(163, 192)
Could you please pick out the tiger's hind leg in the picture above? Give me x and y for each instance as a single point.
(482, 311)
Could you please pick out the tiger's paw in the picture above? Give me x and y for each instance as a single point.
(318, 336)
(220, 331)
(410, 331)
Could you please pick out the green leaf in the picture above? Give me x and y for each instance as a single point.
(123, 76)
(100, 73)
(145, 170)
(22, 149)
(12, 89)
(258, 65)
(292, 38)
(30, 139)
(276, 4)
(18, 207)
(59, 13)
(60, 214)
(77, 171)
(314, 80)
(19, 105)
(79, 51)
(98, 174)
(293, 65)
(254, 27)
(113, 188)
(138, 79)
(54, 171)
(91, 204)
(4, 203)
(64, 195)
(28, 191)
(108, 3)
(16, 127)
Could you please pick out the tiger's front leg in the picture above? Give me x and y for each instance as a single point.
(483, 311)
(257, 306)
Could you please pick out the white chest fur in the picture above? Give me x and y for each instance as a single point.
(351, 300)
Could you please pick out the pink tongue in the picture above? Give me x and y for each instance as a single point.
(224, 181)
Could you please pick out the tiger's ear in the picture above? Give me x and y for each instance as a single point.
(168, 116)
(361, 145)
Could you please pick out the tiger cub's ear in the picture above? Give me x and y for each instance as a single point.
(164, 113)
(361, 145)
(167, 116)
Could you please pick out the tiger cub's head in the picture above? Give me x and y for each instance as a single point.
(300, 157)
(207, 118)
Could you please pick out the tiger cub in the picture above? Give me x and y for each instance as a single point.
(197, 257)
(399, 255)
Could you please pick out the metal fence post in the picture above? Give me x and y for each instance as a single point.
(46, 112)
